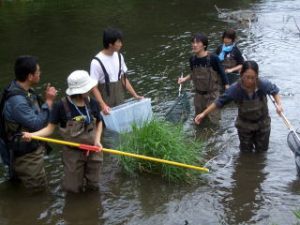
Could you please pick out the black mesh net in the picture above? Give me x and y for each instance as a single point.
(180, 110)
(294, 141)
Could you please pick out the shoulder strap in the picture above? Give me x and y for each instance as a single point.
(106, 76)
(5, 95)
(87, 102)
(39, 99)
(208, 59)
(66, 108)
(119, 74)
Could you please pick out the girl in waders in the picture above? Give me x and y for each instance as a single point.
(207, 74)
(230, 56)
(79, 120)
(250, 95)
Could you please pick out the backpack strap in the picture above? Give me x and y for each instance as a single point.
(87, 102)
(5, 95)
(208, 60)
(66, 108)
(106, 76)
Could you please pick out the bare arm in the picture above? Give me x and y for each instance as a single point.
(212, 107)
(45, 132)
(130, 88)
(50, 95)
(184, 79)
(234, 69)
(277, 99)
(104, 107)
(98, 133)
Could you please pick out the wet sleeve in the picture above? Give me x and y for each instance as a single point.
(217, 66)
(238, 56)
(218, 50)
(20, 111)
(96, 110)
(269, 88)
(191, 63)
(55, 113)
(228, 96)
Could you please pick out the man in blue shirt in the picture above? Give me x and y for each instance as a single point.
(250, 95)
(24, 111)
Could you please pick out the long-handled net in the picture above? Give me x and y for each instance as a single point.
(293, 138)
(180, 110)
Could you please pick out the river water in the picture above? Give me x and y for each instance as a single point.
(240, 189)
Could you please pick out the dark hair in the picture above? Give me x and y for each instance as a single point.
(249, 65)
(25, 65)
(199, 37)
(230, 33)
(111, 35)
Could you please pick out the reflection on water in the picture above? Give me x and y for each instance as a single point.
(85, 209)
(244, 199)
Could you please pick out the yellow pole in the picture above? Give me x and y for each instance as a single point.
(117, 152)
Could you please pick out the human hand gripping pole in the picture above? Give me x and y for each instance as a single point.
(117, 152)
(180, 86)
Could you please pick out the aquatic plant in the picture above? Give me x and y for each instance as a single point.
(297, 214)
(163, 140)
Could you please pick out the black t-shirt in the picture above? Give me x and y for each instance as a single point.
(58, 114)
(214, 63)
(234, 54)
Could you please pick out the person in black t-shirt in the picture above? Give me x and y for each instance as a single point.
(79, 120)
(207, 74)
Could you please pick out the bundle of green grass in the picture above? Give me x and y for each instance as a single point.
(163, 140)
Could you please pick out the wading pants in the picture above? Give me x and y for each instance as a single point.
(257, 140)
(116, 93)
(29, 168)
(81, 171)
(201, 102)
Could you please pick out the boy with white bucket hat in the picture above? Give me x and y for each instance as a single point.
(79, 120)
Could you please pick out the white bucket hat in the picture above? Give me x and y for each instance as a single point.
(79, 82)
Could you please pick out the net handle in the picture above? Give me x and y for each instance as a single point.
(180, 86)
(285, 120)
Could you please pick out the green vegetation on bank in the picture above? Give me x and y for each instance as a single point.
(162, 140)
(297, 214)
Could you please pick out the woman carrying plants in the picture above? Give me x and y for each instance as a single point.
(250, 95)
(79, 120)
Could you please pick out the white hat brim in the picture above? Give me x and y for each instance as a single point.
(82, 90)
